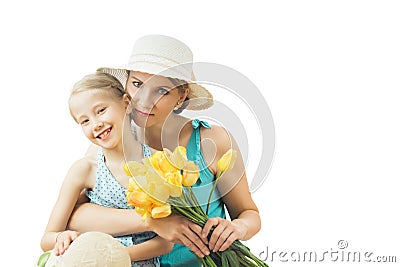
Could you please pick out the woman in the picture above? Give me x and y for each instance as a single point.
(160, 80)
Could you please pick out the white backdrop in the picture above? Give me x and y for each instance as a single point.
(329, 71)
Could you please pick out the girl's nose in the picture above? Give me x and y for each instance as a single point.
(98, 125)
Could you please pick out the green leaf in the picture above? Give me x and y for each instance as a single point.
(43, 259)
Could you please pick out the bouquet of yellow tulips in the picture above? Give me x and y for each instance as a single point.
(162, 184)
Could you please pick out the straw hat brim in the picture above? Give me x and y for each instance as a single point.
(199, 97)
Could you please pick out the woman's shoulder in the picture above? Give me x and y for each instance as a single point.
(216, 133)
(215, 141)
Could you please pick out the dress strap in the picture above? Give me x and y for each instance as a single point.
(146, 151)
(195, 138)
(100, 157)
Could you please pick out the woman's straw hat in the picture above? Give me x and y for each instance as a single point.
(165, 56)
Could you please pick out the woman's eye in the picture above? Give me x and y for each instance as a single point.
(137, 84)
(162, 91)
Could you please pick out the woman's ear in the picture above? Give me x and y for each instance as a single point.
(126, 98)
(184, 95)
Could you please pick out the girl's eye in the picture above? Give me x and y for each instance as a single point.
(84, 122)
(101, 110)
(162, 91)
(137, 84)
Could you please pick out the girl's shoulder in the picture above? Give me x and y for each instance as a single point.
(83, 171)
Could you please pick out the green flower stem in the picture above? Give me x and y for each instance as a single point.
(209, 262)
(192, 199)
(188, 211)
(188, 214)
(192, 202)
(212, 190)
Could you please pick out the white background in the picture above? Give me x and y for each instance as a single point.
(329, 71)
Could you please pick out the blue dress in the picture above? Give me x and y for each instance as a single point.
(108, 192)
(181, 255)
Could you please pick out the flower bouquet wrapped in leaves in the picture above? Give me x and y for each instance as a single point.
(162, 184)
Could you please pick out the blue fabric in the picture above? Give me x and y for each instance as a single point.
(109, 192)
(181, 255)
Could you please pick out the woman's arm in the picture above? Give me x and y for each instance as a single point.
(234, 189)
(73, 184)
(154, 247)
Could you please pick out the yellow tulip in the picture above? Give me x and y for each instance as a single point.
(179, 157)
(133, 168)
(167, 165)
(226, 162)
(161, 211)
(138, 199)
(190, 174)
(144, 212)
(154, 161)
(174, 182)
(158, 192)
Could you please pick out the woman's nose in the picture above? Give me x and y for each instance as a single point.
(143, 99)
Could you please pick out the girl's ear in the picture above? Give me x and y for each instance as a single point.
(126, 98)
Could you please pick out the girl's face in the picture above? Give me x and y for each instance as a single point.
(101, 116)
(153, 98)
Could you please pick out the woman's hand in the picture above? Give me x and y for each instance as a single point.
(177, 229)
(224, 234)
(63, 240)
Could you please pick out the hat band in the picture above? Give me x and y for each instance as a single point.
(185, 69)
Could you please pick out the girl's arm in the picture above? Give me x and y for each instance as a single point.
(116, 222)
(177, 229)
(174, 228)
(154, 247)
(234, 189)
(73, 184)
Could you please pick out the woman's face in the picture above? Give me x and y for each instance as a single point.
(153, 98)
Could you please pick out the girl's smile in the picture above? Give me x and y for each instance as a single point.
(104, 134)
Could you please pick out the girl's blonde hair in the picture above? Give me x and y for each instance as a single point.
(98, 82)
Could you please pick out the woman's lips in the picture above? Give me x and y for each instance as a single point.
(143, 114)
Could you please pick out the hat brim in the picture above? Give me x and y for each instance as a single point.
(199, 97)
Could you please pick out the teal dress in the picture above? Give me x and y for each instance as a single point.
(181, 255)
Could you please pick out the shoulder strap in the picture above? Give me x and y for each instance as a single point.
(146, 151)
(195, 138)
(100, 156)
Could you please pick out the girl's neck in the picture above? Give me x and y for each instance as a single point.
(128, 149)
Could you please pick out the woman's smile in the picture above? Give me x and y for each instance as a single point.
(143, 114)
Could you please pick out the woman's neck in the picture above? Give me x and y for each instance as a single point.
(166, 135)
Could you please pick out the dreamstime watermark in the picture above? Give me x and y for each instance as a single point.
(339, 254)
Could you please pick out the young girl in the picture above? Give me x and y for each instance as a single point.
(160, 80)
(99, 104)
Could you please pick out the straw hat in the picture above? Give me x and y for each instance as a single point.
(165, 56)
(96, 249)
